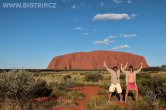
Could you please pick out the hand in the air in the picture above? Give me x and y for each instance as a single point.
(104, 64)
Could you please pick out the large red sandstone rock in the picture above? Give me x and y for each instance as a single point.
(95, 59)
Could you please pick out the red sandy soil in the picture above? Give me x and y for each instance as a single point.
(88, 92)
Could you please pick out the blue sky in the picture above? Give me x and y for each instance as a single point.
(31, 37)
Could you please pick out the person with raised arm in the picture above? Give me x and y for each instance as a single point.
(115, 80)
(131, 80)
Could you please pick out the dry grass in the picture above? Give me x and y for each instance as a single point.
(58, 83)
(161, 73)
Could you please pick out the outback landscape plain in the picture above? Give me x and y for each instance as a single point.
(82, 55)
(78, 90)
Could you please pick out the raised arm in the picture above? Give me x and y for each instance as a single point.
(123, 68)
(108, 69)
(139, 68)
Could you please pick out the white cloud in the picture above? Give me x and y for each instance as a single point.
(121, 47)
(128, 35)
(113, 16)
(133, 15)
(101, 4)
(106, 41)
(117, 1)
(122, 1)
(75, 6)
(78, 28)
(85, 33)
(112, 36)
(129, 1)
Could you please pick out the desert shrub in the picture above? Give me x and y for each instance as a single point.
(101, 103)
(103, 92)
(143, 76)
(57, 89)
(152, 69)
(163, 67)
(152, 88)
(18, 87)
(65, 95)
(143, 104)
(93, 77)
(79, 84)
(105, 85)
(89, 72)
(57, 93)
(104, 72)
(60, 89)
(11, 84)
(75, 95)
(66, 77)
(40, 89)
(21, 85)
(82, 73)
(64, 86)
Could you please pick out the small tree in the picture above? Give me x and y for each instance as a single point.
(93, 77)
(163, 67)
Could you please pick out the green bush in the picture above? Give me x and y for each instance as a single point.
(79, 84)
(163, 67)
(153, 88)
(101, 103)
(13, 84)
(40, 89)
(64, 86)
(143, 104)
(152, 69)
(105, 85)
(21, 84)
(75, 95)
(18, 88)
(60, 89)
(66, 77)
(93, 77)
(103, 92)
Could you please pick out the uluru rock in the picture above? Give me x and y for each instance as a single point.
(95, 59)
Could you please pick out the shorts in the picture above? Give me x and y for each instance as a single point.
(131, 86)
(117, 86)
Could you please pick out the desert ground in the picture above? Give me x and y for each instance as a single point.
(78, 90)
